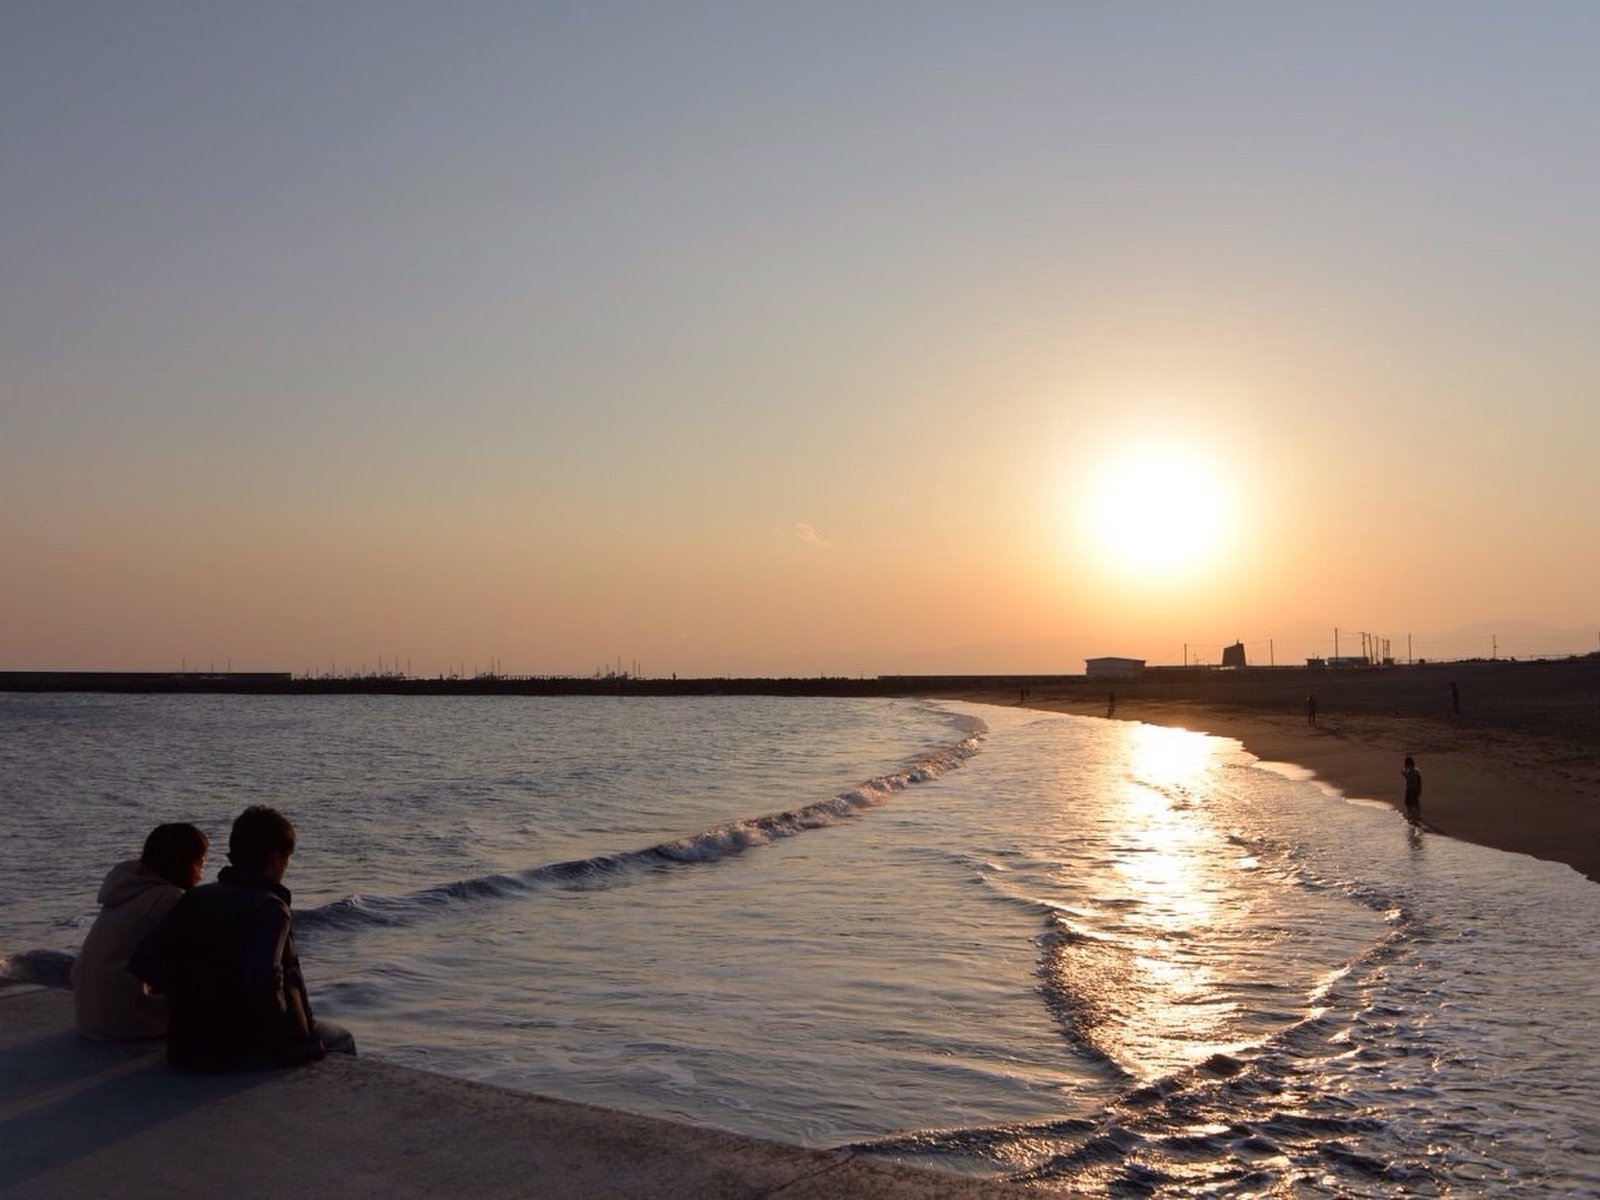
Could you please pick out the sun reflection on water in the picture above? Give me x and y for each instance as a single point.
(1164, 947)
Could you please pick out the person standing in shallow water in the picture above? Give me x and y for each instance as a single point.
(1311, 710)
(1413, 778)
(225, 959)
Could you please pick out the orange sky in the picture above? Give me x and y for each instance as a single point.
(792, 343)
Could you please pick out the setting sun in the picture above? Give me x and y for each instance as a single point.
(1157, 513)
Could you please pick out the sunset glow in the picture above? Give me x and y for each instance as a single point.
(765, 342)
(1159, 515)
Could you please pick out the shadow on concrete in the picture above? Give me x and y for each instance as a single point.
(64, 1098)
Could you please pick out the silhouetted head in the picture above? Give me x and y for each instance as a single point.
(1410, 762)
(177, 853)
(261, 840)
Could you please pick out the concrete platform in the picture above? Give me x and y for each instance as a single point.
(87, 1119)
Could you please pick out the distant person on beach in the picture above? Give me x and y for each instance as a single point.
(1413, 778)
(136, 895)
(1311, 710)
(1111, 705)
(225, 958)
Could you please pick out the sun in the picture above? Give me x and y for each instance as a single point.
(1158, 513)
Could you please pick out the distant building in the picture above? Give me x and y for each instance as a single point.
(1114, 668)
(1233, 656)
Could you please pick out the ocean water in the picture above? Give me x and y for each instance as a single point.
(1086, 954)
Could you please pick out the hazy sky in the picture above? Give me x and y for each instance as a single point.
(748, 338)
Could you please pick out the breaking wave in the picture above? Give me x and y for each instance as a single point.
(608, 870)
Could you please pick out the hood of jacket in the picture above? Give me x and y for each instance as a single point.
(127, 882)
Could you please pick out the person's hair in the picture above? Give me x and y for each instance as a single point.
(172, 851)
(1410, 762)
(258, 833)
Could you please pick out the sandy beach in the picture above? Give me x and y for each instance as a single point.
(1518, 768)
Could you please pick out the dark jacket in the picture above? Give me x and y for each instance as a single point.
(226, 961)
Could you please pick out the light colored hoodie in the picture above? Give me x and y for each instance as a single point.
(112, 1005)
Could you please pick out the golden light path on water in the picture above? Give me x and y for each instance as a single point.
(1174, 987)
(1157, 968)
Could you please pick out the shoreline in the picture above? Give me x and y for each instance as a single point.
(1518, 769)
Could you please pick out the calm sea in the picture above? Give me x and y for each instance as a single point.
(1090, 954)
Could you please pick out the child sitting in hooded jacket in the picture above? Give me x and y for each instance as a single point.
(137, 894)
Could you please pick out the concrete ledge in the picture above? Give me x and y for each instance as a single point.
(82, 1119)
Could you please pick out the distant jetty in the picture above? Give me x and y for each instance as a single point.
(284, 683)
(1403, 686)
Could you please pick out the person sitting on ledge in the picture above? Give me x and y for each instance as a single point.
(225, 959)
(137, 894)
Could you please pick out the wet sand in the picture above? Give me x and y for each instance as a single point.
(1517, 769)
